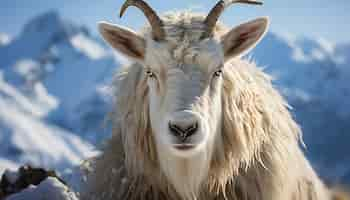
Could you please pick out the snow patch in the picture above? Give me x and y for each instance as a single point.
(7, 164)
(90, 48)
(50, 189)
(44, 99)
(299, 55)
(22, 131)
(13, 97)
(27, 68)
(326, 45)
(317, 54)
(4, 39)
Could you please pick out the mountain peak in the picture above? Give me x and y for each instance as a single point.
(39, 36)
(50, 22)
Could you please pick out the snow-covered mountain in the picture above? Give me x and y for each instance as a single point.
(51, 102)
(54, 72)
(24, 138)
(314, 76)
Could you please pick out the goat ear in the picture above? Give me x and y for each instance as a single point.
(240, 40)
(123, 40)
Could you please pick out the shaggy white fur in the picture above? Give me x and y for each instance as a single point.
(247, 146)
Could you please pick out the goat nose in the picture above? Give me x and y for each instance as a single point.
(183, 132)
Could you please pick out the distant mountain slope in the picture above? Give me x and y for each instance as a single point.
(314, 75)
(51, 77)
(54, 73)
(25, 138)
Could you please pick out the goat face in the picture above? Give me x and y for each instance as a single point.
(185, 78)
(185, 95)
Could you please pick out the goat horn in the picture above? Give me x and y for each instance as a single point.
(214, 14)
(156, 23)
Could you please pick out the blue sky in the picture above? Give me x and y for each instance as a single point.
(328, 19)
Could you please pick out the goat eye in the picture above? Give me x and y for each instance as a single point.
(218, 73)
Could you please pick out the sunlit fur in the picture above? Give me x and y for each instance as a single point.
(254, 154)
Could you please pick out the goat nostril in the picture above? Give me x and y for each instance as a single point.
(175, 130)
(191, 130)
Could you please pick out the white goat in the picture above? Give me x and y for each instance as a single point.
(195, 121)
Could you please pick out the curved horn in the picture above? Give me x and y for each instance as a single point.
(213, 16)
(156, 23)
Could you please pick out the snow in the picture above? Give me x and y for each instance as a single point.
(26, 138)
(85, 84)
(25, 67)
(50, 189)
(45, 99)
(7, 165)
(43, 144)
(92, 49)
(4, 39)
(13, 97)
(326, 45)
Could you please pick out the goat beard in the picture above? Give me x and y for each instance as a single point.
(186, 175)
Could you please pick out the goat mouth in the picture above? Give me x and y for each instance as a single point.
(184, 147)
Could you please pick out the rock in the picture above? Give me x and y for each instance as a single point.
(14, 182)
(49, 189)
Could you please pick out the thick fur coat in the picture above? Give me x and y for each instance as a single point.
(257, 156)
